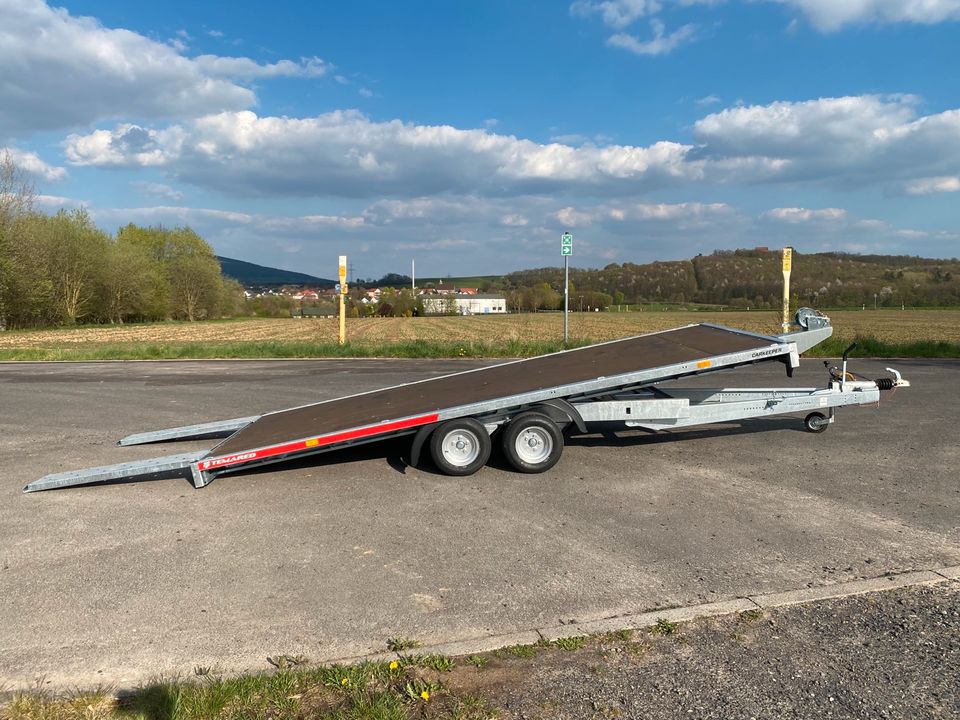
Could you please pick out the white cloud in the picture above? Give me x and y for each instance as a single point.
(831, 15)
(660, 44)
(708, 100)
(30, 163)
(803, 215)
(615, 13)
(365, 92)
(56, 202)
(347, 154)
(442, 244)
(569, 217)
(158, 190)
(848, 141)
(127, 145)
(243, 68)
(927, 186)
(835, 142)
(636, 214)
(62, 71)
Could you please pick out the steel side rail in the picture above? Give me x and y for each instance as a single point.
(201, 431)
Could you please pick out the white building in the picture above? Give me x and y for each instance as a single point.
(480, 304)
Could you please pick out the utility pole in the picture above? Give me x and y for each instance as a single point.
(413, 277)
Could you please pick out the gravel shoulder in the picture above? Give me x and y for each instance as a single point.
(892, 654)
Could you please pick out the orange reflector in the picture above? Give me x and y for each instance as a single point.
(312, 443)
(703, 364)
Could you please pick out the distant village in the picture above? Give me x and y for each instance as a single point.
(432, 299)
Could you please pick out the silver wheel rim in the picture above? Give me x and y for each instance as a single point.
(461, 448)
(533, 445)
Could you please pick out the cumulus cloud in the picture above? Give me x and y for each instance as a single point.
(830, 15)
(802, 215)
(30, 163)
(61, 71)
(615, 13)
(927, 186)
(159, 190)
(660, 44)
(848, 141)
(243, 68)
(127, 145)
(344, 153)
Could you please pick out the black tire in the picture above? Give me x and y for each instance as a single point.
(460, 447)
(816, 422)
(532, 443)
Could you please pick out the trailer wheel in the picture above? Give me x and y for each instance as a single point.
(532, 443)
(460, 447)
(816, 422)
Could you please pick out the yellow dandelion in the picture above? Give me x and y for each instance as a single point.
(344, 681)
(425, 695)
(394, 664)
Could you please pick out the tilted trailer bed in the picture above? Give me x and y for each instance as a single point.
(526, 404)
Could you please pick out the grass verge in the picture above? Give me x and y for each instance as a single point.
(833, 347)
(287, 350)
(869, 347)
(368, 691)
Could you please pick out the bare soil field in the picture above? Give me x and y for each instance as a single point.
(886, 325)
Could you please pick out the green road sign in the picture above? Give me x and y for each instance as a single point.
(566, 249)
(566, 239)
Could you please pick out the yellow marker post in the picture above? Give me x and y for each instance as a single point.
(343, 299)
(787, 267)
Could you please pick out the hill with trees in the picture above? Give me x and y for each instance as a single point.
(250, 274)
(749, 278)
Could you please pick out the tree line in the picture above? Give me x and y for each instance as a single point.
(749, 278)
(62, 269)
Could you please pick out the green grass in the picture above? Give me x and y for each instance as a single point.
(287, 350)
(868, 347)
(478, 661)
(369, 691)
(521, 651)
(570, 643)
(832, 347)
(398, 644)
(665, 627)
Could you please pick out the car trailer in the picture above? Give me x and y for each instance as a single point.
(525, 405)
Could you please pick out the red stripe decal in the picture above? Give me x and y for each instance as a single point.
(311, 443)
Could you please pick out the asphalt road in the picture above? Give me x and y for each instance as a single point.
(330, 558)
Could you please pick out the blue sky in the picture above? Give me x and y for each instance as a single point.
(470, 135)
